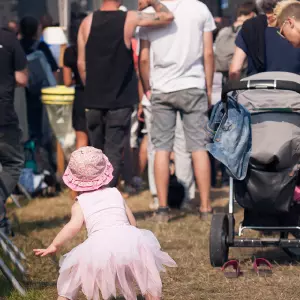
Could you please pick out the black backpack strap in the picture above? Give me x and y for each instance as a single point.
(35, 46)
(253, 33)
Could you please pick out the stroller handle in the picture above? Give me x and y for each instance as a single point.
(259, 84)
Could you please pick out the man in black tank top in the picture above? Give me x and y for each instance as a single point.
(105, 63)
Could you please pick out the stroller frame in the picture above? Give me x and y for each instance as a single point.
(222, 233)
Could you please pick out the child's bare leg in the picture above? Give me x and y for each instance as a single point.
(150, 297)
(62, 298)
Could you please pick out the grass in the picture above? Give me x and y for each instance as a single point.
(185, 239)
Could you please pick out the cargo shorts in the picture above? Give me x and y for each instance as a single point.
(192, 104)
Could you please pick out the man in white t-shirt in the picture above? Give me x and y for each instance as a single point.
(183, 159)
(181, 81)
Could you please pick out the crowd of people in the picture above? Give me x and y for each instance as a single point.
(175, 85)
(145, 104)
(145, 83)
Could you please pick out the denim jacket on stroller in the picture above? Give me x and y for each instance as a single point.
(229, 130)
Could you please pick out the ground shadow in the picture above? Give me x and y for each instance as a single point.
(217, 194)
(40, 285)
(276, 256)
(143, 215)
(6, 288)
(26, 227)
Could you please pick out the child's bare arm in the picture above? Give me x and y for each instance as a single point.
(130, 215)
(67, 233)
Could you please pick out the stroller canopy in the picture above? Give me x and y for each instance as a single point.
(264, 99)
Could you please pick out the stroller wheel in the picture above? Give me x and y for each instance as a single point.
(218, 246)
(293, 253)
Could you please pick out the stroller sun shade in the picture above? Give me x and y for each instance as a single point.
(269, 91)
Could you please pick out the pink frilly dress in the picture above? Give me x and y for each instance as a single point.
(115, 254)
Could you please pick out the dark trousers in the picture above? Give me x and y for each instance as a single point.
(12, 162)
(34, 116)
(107, 131)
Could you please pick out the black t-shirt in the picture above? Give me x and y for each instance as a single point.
(70, 61)
(28, 45)
(12, 59)
(281, 56)
(111, 81)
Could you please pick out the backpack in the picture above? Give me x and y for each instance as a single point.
(40, 73)
(224, 48)
(176, 193)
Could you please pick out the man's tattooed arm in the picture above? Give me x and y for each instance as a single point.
(148, 16)
(162, 15)
(158, 6)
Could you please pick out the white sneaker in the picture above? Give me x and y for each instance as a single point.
(154, 205)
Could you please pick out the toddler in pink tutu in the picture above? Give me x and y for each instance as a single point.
(116, 254)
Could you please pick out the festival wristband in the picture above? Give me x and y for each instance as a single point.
(148, 94)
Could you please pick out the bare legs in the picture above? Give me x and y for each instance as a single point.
(202, 171)
(162, 175)
(143, 155)
(81, 139)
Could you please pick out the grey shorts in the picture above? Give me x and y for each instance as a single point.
(192, 105)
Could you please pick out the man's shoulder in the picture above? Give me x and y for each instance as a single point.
(6, 37)
(198, 5)
(87, 21)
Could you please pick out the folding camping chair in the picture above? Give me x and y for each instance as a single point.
(14, 254)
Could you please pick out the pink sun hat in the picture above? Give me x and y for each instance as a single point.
(89, 169)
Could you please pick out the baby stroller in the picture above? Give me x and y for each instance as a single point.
(267, 192)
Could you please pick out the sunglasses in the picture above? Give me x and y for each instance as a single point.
(280, 31)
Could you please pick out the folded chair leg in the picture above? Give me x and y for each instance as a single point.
(16, 201)
(19, 253)
(10, 277)
(24, 192)
(12, 257)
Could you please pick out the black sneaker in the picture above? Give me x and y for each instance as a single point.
(162, 215)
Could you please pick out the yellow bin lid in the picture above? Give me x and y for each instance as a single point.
(59, 95)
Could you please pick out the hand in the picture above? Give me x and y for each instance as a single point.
(43, 252)
(148, 95)
(140, 114)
